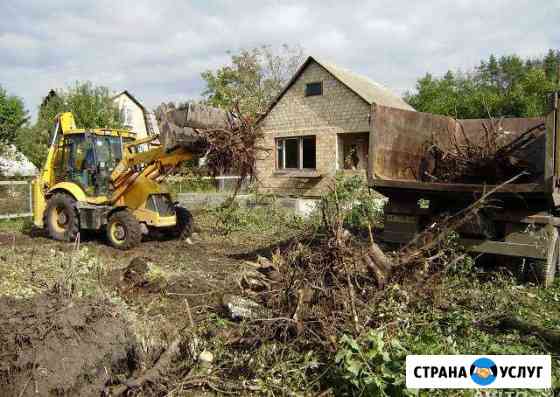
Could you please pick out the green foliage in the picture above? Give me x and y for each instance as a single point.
(232, 217)
(253, 78)
(12, 117)
(370, 366)
(33, 142)
(91, 105)
(508, 86)
(360, 205)
(23, 225)
(78, 271)
(455, 316)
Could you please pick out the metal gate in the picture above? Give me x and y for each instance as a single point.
(15, 199)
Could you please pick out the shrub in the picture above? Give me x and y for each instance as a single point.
(369, 366)
(232, 217)
(361, 206)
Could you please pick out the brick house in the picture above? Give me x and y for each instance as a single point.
(317, 125)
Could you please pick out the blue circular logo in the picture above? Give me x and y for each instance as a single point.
(483, 371)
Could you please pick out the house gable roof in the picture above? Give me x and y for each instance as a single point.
(370, 91)
(367, 89)
(127, 93)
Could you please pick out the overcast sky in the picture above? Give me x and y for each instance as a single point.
(157, 49)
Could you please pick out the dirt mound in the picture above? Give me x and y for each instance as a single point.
(140, 276)
(52, 346)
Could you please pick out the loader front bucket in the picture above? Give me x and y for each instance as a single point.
(178, 124)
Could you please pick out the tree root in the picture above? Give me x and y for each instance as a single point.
(151, 375)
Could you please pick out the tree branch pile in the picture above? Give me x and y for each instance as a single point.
(314, 292)
(485, 157)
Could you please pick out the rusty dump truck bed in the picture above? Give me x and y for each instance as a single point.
(522, 223)
(399, 138)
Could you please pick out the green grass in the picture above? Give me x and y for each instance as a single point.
(15, 225)
(458, 315)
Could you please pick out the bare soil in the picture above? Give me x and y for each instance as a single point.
(52, 346)
(54, 342)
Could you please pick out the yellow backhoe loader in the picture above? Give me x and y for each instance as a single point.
(106, 179)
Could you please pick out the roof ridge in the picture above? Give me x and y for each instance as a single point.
(344, 69)
(390, 98)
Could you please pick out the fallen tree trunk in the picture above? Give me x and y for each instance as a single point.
(550, 336)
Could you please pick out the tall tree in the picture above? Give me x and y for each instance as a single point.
(91, 105)
(505, 86)
(12, 117)
(253, 78)
(550, 64)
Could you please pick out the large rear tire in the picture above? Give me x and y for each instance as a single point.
(62, 219)
(184, 226)
(123, 230)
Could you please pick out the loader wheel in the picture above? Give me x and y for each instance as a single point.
(123, 230)
(61, 217)
(184, 226)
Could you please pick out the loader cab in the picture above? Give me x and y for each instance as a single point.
(87, 159)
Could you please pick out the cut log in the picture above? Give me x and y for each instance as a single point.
(381, 276)
(550, 336)
(305, 295)
(380, 258)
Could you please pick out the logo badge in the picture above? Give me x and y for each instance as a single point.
(478, 372)
(483, 371)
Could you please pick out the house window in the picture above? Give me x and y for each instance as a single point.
(126, 114)
(313, 89)
(296, 153)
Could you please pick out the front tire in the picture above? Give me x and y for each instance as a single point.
(62, 219)
(123, 230)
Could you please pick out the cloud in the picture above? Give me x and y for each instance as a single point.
(158, 49)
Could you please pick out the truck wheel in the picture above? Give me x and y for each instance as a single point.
(123, 230)
(61, 217)
(184, 226)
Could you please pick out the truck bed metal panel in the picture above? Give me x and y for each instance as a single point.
(456, 187)
(399, 140)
